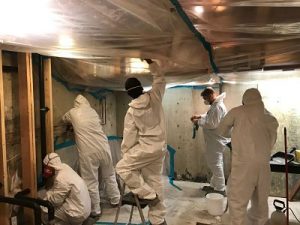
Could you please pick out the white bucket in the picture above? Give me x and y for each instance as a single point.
(215, 204)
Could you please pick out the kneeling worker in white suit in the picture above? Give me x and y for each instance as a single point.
(68, 193)
(253, 135)
(144, 143)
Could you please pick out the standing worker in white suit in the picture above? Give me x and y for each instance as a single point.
(94, 152)
(144, 143)
(253, 134)
(215, 144)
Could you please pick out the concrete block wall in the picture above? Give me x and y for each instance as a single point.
(179, 105)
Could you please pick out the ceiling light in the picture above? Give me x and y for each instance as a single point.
(65, 41)
(138, 66)
(199, 9)
(220, 8)
(32, 17)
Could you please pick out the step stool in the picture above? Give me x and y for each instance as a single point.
(133, 200)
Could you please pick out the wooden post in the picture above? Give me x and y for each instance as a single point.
(27, 127)
(48, 103)
(4, 212)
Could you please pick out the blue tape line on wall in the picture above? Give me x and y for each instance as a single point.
(194, 87)
(171, 176)
(97, 94)
(113, 138)
(200, 37)
(64, 144)
(70, 143)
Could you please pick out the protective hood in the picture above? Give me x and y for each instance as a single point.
(140, 102)
(81, 101)
(251, 96)
(53, 160)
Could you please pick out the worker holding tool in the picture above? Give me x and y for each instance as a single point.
(215, 144)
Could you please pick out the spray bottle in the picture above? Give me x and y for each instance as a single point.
(278, 216)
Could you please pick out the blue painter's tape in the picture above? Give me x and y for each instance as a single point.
(198, 87)
(69, 143)
(113, 138)
(171, 181)
(97, 94)
(172, 152)
(195, 87)
(200, 37)
(64, 144)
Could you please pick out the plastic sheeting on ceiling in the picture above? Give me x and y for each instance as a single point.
(102, 36)
(248, 34)
(98, 39)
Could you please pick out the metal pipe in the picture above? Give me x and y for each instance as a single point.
(286, 176)
(47, 204)
(43, 109)
(27, 204)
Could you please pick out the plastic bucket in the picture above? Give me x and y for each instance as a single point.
(215, 204)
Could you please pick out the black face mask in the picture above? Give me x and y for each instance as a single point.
(133, 87)
(135, 92)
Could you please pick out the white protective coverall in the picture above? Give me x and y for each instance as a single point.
(94, 152)
(215, 144)
(144, 146)
(69, 194)
(253, 135)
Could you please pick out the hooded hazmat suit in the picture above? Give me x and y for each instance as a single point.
(94, 152)
(69, 194)
(253, 135)
(144, 146)
(215, 144)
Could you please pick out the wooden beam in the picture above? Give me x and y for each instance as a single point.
(26, 102)
(27, 127)
(49, 105)
(4, 214)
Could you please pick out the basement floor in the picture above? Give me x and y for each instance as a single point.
(184, 207)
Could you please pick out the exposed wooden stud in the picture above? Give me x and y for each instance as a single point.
(48, 103)
(4, 216)
(27, 127)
